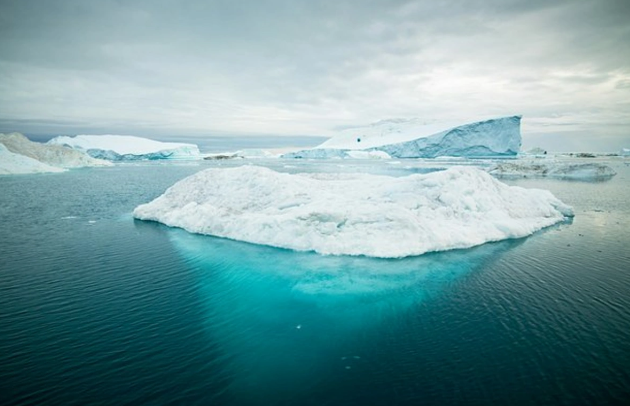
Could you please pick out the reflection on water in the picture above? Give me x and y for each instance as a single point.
(288, 320)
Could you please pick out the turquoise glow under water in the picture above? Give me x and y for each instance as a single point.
(97, 308)
(290, 320)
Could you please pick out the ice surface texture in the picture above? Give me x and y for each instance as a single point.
(412, 139)
(126, 147)
(355, 214)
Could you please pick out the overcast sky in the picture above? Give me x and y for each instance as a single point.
(160, 67)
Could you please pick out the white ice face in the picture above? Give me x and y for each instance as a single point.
(122, 145)
(416, 139)
(355, 214)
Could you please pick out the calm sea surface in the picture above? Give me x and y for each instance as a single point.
(99, 309)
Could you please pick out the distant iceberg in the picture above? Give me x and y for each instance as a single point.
(21, 155)
(553, 169)
(54, 155)
(535, 152)
(127, 147)
(14, 164)
(355, 214)
(415, 139)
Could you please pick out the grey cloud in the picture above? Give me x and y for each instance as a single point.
(305, 66)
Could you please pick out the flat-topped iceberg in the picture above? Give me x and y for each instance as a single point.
(553, 169)
(415, 139)
(127, 147)
(54, 155)
(355, 214)
(13, 164)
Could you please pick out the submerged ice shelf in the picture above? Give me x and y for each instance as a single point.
(355, 214)
(279, 342)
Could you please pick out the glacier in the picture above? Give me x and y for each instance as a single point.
(353, 213)
(553, 169)
(127, 147)
(54, 155)
(500, 137)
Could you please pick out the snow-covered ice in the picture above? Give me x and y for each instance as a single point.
(127, 147)
(553, 169)
(54, 155)
(13, 164)
(416, 139)
(355, 214)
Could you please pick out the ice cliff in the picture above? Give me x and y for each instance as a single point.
(355, 214)
(127, 147)
(415, 139)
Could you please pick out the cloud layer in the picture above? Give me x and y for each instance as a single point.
(307, 67)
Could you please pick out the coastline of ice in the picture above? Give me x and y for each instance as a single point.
(415, 139)
(553, 169)
(355, 214)
(127, 147)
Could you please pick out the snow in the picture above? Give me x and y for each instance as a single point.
(625, 151)
(13, 164)
(415, 139)
(127, 147)
(554, 169)
(353, 213)
(54, 155)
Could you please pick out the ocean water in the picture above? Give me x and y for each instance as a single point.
(98, 308)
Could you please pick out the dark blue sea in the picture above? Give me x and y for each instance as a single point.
(97, 308)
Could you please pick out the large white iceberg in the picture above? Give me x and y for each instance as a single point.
(54, 155)
(13, 164)
(553, 169)
(355, 214)
(415, 139)
(127, 147)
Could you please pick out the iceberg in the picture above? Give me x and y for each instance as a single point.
(625, 152)
(415, 139)
(553, 169)
(127, 147)
(535, 152)
(13, 164)
(54, 155)
(353, 213)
